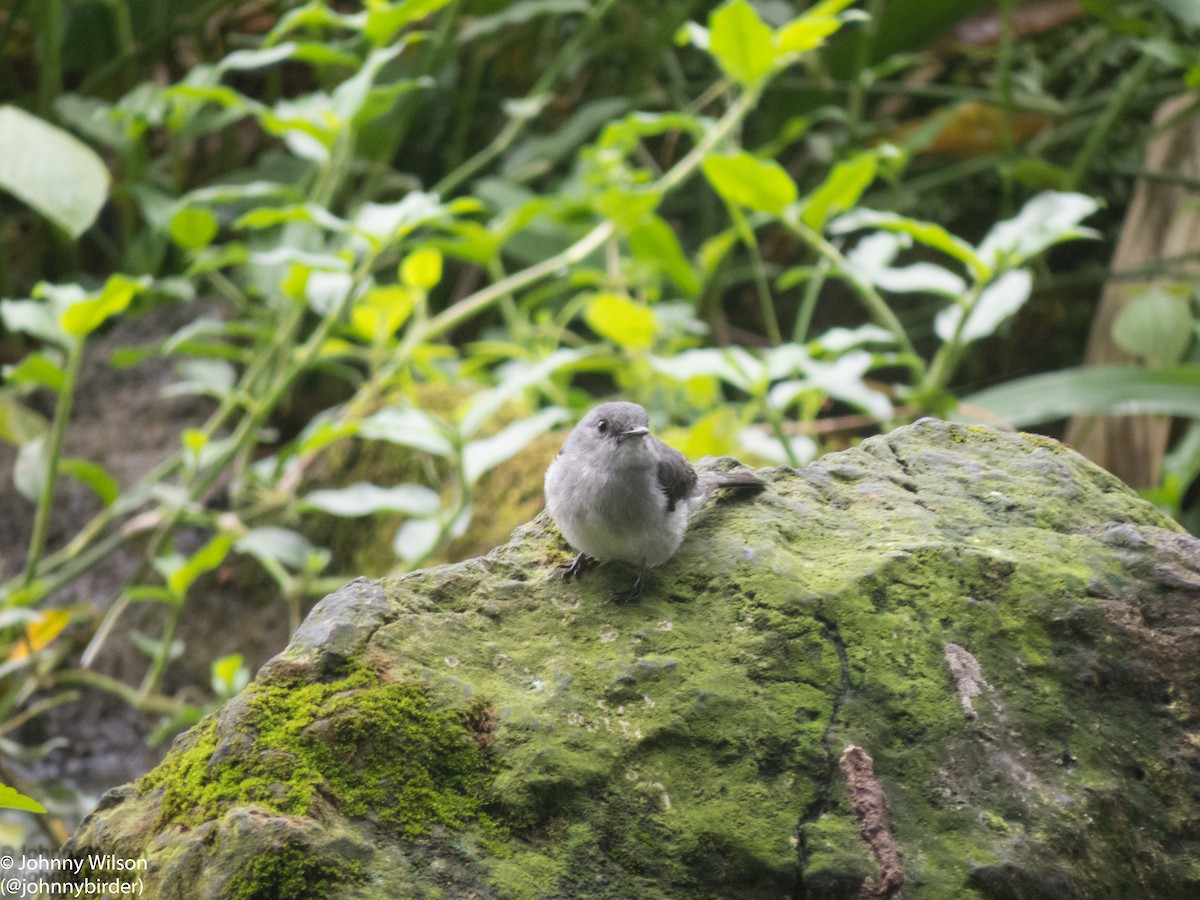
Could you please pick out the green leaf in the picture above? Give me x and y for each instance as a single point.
(50, 170)
(193, 227)
(621, 320)
(928, 233)
(1091, 390)
(742, 43)
(997, 302)
(282, 545)
(82, 318)
(416, 539)
(408, 427)
(841, 190)
(385, 21)
(39, 369)
(203, 560)
(483, 455)
(35, 318)
(31, 468)
(94, 476)
(517, 13)
(744, 180)
(364, 499)
(422, 268)
(809, 31)
(1049, 218)
(1155, 326)
(229, 675)
(11, 798)
(18, 423)
(654, 242)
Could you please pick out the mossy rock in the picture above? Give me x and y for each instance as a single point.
(1006, 631)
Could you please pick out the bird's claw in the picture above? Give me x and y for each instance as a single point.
(575, 570)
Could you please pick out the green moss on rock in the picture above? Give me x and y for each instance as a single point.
(369, 747)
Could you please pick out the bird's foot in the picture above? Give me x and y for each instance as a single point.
(575, 570)
(635, 591)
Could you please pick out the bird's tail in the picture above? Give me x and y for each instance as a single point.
(708, 483)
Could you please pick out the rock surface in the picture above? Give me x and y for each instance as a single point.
(949, 663)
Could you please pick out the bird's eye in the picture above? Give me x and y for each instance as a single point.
(602, 426)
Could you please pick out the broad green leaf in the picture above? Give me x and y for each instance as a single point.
(841, 190)
(261, 58)
(31, 468)
(733, 365)
(483, 455)
(422, 268)
(997, 302)
(82, 318)
(1091, 390)
(384, 223)
(270, 216)
(229, 675)
(282, 545)
(1155, 326)
(193, 227)
(408, 427)
(51, 171)
(381, 312)
(842, 379)
(870, 260)
(203, 560)
(809, 30)
(744, 180)
(35, 318)
(36, 368)
(798, 450)
(94, 476)
(653, 241)
(364, 499)
(202, 377)
(385, 20)
(11, 798)
(416, 539)
(621, 320)
(352, 96)
(1047, 219)
(18, 423)
(927, 233)
(742, 43)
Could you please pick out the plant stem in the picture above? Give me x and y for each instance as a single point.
(58, 433)
(876, 305)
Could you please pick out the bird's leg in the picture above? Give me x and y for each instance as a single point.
(634, 594)
(575, 570)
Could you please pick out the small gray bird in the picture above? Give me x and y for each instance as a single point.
(616, 492)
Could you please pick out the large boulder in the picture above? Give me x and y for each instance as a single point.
(948, 663)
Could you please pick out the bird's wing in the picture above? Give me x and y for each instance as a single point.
(675, 474)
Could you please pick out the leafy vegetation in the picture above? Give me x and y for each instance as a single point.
(762, 221)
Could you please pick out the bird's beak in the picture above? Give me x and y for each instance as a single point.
(639, 431)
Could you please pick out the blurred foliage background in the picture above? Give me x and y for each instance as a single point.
(299, 291)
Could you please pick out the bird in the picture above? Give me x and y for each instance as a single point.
(616, 492)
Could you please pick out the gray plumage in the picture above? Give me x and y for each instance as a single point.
(616, 492)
